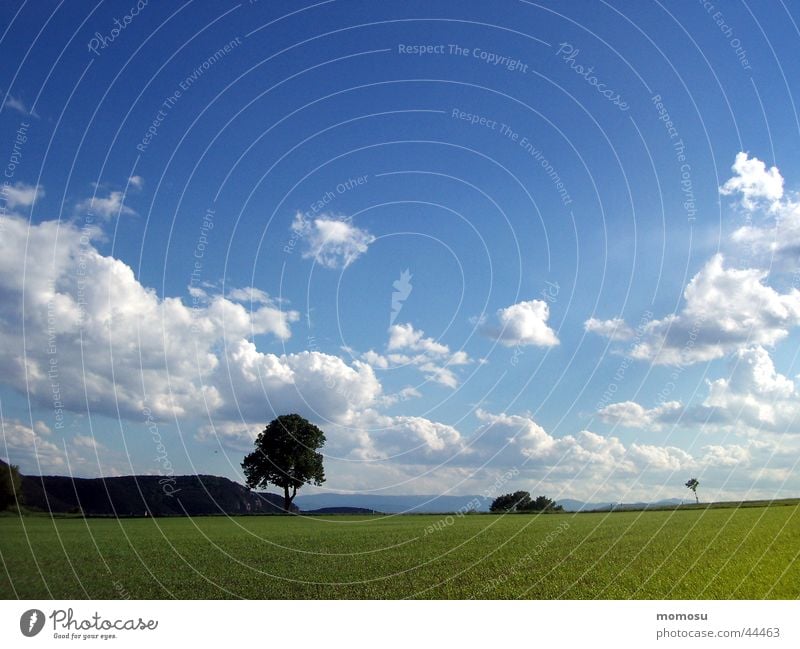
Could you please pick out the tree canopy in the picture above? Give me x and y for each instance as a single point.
(286, 456)
(521, 501)
(693, 484)
(10, 485)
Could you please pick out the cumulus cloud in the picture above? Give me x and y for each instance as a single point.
(250, 294)
(15, 103)
(754, 393)
(754, 182)
(524, 323)
(23, 445)
(613, 329)
(21, 194)
(405, 439)
(137, 182)
(235, 435)
(753, 397)
(632, 415)
(106, 207)
(410, 346)
(725, 309)
(405, 337)
(332, 241)
(92, 331)
(773, 225)
(778, 241)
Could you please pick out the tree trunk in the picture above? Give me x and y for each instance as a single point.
(287, 500)
(696, 498)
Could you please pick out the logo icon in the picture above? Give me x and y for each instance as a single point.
(31, 622)
(402, 289)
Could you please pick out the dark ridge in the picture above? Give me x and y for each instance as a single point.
(146, 495)
(341, 510)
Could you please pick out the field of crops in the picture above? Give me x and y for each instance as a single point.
(715, 553)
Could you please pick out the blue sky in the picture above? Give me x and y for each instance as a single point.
(460, 237)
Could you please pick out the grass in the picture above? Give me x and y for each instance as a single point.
(741, 553)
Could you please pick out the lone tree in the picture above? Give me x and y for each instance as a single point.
(693, 484)
(286, 456)
(10, 485)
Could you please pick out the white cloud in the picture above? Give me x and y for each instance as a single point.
(725, 309)
(250, 294)
(15, 103)
(41, 428)
(137, 182)
(614, 329)
(524, 323)
(754, 182)
(21, 194)
(22, 445)
(777, 242)
(235, 435)
(332, 241)
(755, 394)
(525, 443)
(441, 375)
(407, 440)
(432, 358)
(404, 336)
(754, 398)
(116, 341)
(106, 207)
(631, 415)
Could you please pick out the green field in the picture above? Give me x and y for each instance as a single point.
(740, 553)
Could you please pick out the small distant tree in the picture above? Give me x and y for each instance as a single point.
(511, 502)
(10, 485)
(693, 484)
(286, 456)
(520, 501)
(543, 504)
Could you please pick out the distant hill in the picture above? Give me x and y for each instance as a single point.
(571, 505)
(136, 495)
(208, 495)
(394, 504)
(341, 510)
(440, 504)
